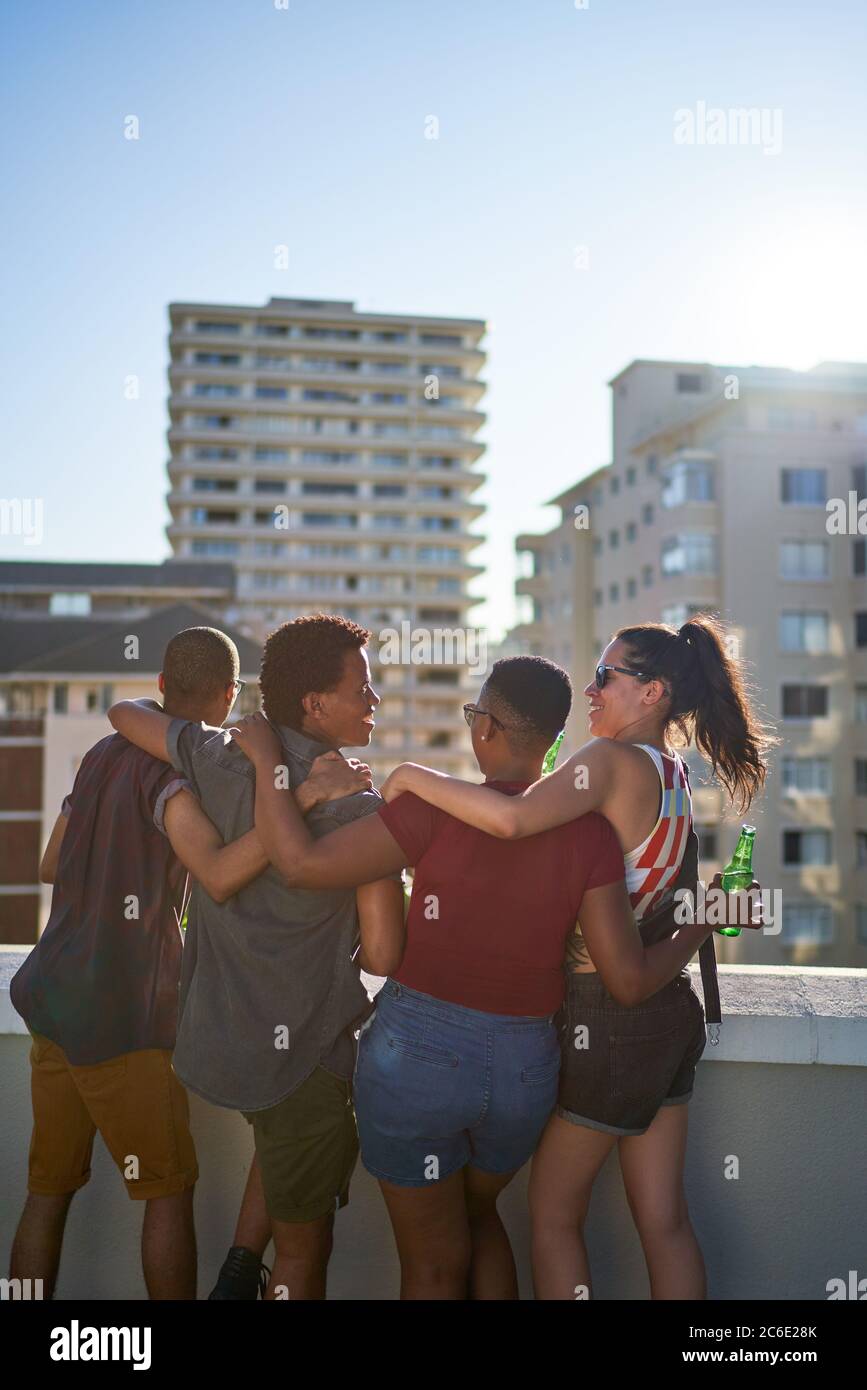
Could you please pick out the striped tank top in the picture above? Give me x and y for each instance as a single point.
(652, 866)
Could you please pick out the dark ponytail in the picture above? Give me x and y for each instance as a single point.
(709, 699)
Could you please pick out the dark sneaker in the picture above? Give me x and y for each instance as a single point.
(243, 1276)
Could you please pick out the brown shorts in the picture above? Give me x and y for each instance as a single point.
(620, 1065)
(137, 1104)
(307, 1146)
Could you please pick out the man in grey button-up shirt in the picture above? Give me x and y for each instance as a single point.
(270, 994)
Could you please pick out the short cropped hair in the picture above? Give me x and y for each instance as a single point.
(532, 697)
(303, 657)
(199, 663)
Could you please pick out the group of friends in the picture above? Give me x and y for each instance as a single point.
(223, 893)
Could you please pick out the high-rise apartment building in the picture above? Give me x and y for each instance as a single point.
(330, 456)
(717, 499)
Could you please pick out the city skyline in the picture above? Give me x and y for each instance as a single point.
(563, 204)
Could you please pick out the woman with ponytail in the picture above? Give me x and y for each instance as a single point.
(626, 1071)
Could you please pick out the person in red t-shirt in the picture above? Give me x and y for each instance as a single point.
(457, 1072)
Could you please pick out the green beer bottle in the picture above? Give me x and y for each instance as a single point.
(551, 756)
(738, 872)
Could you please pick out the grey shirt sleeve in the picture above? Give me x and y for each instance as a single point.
(177, 784)
(350, 808)
(182, 741)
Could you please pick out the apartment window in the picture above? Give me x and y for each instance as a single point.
(861, 849)
(597, 546)
(861, 776)
(332, 334)
(272, 393)
(631, 531)
(439, 555)
(390, 460)
(613, 539)
(346, 521)
(201, 516)
(613, 592)
(805, 701)
(388, 335)
(859, 557)
(269, 485)
(859, 476)
(861, 704)
(804, 486)
(614, 485)
(597, 598)
(315, 458)
(330, 489)
(61, 699)
(216, 326)
(687, 482)
(688, 383)
(631, 588)
(216, 391)
(391, 490)
(807, 847)
(861, 923)
(215, 452)
(390, 398)
(630, 477)
(221, 548)
(263, 454)
(804, 632)
(647, 576)
(652, 464)
(691, 553)
(441, 339)
(215, 485)
(807, 923)
(810, 776)
(861, 629)
(217, 359)
(707, 843)
(804, 559)
(69, 605)
(647, 513)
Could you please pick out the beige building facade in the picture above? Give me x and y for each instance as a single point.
(742, 491)
(330, 456)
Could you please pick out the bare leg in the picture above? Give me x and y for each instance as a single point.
(39, 1238)
(301, 1253)
(168, 1246)
(433, 1237)
(652, 1168)
(492, 1264)
(253, 1230)
(561, 1180)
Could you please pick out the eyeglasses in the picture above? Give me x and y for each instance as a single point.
(470, 712)
(602, 674)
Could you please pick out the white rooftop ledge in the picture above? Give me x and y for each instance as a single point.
(770, 1013)
(790, 1220)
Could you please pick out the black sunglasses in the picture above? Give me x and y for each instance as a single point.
(470, 712)
(602, 674)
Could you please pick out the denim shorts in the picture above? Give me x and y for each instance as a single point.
(438, 1086)
(620, 1064)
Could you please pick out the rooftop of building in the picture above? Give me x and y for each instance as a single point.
(169, 575)
(93, 646)
(335, 309)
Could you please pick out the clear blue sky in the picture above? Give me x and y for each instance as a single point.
(306, 127)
